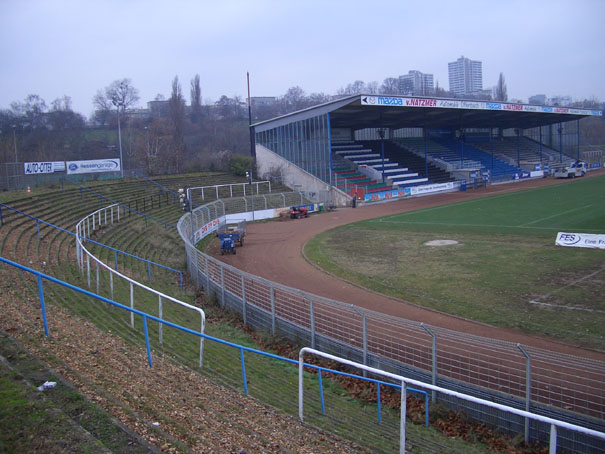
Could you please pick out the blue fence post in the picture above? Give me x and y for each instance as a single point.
(321, 393)
(149, 271)
(42, 306)
(378, 402)
(147, 341)
(241, 355)
(426, 409)
(115, 253)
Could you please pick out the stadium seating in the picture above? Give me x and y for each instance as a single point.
(528, 153)
(415, 162)
(356, 154)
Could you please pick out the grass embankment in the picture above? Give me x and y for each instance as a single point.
(505, 269)
(271, 381)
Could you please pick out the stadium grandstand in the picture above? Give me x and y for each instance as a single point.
(380, 147)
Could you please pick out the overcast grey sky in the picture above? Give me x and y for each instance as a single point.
(71, 47)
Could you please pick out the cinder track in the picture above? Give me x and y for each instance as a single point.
(275, 251)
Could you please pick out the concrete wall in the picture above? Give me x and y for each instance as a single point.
(269, 163)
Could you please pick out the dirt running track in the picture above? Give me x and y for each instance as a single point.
(274, 251)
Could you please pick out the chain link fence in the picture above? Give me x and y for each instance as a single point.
(543, 382)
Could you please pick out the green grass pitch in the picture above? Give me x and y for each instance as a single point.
(505, 268)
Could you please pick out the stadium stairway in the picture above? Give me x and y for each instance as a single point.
(414, 163)
(355, 154)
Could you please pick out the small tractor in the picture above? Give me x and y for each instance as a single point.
(227, 244)
(298, 212)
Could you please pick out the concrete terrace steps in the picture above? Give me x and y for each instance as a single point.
(397, 174)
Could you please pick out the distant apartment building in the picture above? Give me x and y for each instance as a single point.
(465, 76)
(538, 100)
(415, 83)
(560, 101)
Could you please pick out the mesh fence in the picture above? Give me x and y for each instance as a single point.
(561, 386)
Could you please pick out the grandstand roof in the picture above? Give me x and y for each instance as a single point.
(374, 111)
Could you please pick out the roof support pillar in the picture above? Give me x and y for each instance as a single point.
(425, 134)
(560, 143)
(541, 147)
(578, 138)
(518, 130)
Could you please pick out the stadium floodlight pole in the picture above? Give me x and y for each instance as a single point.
(190, 214)
(381, 132)
(252, 141)
(118, 104)
(15, 140)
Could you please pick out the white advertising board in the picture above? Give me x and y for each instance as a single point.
(33, 168)
(93, 166)
(428, 188)
(588, 240)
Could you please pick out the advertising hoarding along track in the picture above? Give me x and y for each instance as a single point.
(586, 240)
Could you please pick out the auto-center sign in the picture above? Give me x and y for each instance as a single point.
(33, 168)
(402, 101)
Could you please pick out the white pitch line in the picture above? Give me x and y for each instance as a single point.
(556, 215)
(536, 301)
(567, 307)
(552, 229)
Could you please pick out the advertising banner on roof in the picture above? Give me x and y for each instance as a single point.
(402, 101)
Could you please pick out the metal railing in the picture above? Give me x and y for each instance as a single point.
(39, 221)
(217, 187)
(83, 230)
(405, 381)
(121, 205)
(320, 370)
(546, 382)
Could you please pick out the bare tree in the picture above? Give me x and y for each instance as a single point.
(371, 88)
(121, 95)
(356, 88)
(501, 91)
(31, 111)
(196, 99)
(102, 106)
(294, 99)
(176, 107)
(61, 115)
(390, 86)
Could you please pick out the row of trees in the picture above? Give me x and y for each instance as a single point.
(179, 137)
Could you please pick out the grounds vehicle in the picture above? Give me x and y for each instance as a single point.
(576, 169)
(227, 244)
(236, 231)
(298, 212)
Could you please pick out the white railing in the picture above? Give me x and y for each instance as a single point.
(554, 424)
(89, 224)
(216, 187)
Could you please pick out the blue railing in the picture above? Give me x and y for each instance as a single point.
(161, 186)
(102, 197)
(116, 251)
(145, 317)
